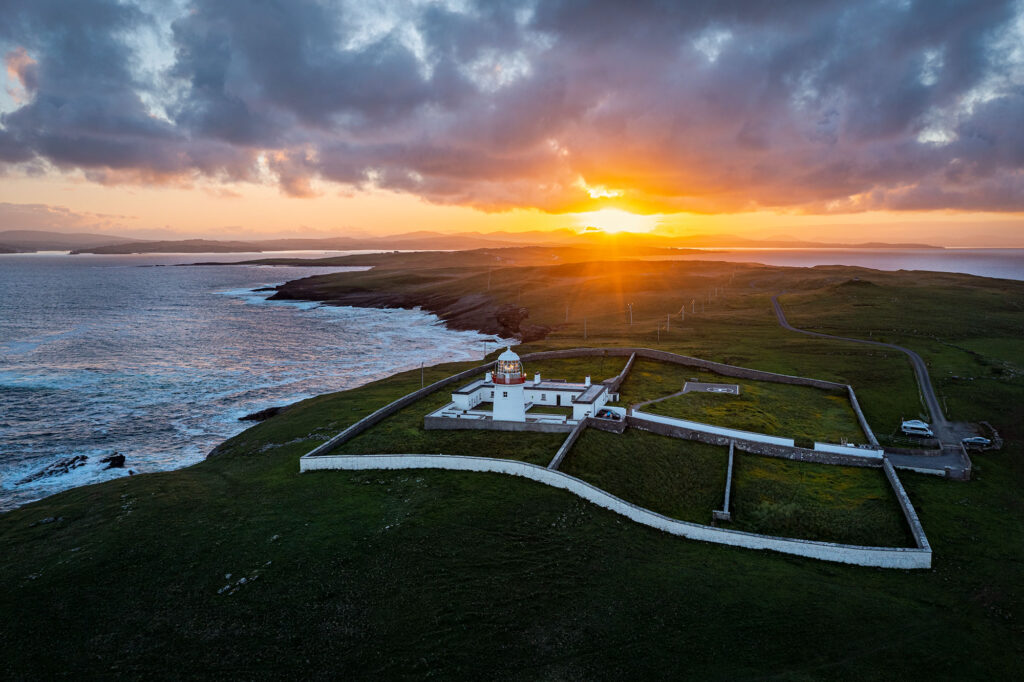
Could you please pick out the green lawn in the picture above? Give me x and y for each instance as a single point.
(763, 407)
(403, 432)
(853, 505)
(677, 478)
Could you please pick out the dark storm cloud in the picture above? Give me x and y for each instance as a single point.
(704, 105)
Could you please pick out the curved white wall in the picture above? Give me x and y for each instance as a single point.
(882, 557)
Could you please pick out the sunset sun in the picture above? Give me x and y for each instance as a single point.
(614, 220)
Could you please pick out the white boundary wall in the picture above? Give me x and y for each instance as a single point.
(850, 450)
(717, 430)
(881, 557)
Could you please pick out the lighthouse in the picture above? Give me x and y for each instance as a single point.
(508, 380)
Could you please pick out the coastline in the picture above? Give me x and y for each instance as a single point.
(469, 312)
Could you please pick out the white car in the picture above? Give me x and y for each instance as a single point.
(916, 427)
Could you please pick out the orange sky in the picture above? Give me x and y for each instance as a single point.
(243, 210)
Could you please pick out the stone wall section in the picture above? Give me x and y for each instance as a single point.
(881, 557)
(753, 447)
(864, 426)
(916, 529)
(567, 444)
(724, 514)
(614, 384)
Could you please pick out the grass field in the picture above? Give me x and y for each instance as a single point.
(575, 369)
(677, 478)
(853, 505)
(762, 407)
(411, 574)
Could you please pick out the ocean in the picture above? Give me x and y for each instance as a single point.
(104, 354)
(998, 263)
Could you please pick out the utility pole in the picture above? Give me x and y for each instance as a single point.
(693, 305)
(667, 321)
(584, 329)
(659, 333)
(422, 381)
(630, 307)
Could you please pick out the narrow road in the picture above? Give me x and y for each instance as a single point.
(939, 424)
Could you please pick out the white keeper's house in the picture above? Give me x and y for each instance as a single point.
(505, 397)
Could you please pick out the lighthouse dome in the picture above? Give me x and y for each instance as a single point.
(508, 369)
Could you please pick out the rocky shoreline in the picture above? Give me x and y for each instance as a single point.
(472, 312)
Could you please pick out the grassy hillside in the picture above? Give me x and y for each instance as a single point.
(462, 575)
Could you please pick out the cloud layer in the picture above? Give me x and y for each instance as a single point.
(708, 105)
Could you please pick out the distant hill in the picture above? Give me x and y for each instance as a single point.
(177, 246)
(422, 240)
(43, 240)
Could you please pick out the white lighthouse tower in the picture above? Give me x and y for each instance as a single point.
(508, 379)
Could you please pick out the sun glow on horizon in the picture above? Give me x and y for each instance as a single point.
(615, 220)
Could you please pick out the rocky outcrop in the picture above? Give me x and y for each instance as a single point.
(262, 415)
(114, 461)
(58, 468)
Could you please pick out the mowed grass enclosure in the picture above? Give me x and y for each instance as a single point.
(681, 479)
(852, 505)
(403, 433)
(776, 409)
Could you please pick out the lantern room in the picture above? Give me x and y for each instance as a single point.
(508, 369)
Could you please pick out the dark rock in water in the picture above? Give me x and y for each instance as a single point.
(58, 468)
(114, 461)
(261, 289)
(261, 415)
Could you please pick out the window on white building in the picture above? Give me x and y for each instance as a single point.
(504, 394)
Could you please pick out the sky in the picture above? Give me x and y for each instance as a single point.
(881, 120)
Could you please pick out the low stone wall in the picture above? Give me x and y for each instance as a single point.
(881, 557)
(614, 384)
(567, 444)
(724, 514)
(753, 447)
(916, 529)
(864, 426)
(453, 424)
(606, 425)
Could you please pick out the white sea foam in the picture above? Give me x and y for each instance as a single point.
(159, 363)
